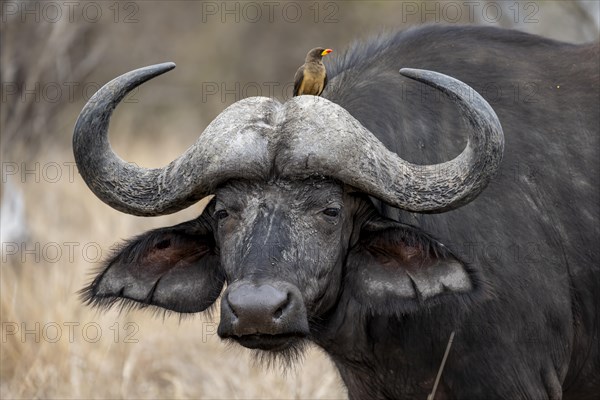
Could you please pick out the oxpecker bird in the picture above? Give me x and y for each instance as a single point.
(311, 77)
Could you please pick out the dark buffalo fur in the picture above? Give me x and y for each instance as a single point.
(535, 230)
(526, 328)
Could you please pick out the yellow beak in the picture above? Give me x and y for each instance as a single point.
(326, 51)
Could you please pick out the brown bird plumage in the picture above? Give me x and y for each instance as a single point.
(311, 77)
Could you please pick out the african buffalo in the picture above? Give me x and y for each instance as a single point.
(336, 221)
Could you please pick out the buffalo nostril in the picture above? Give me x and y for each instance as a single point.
(282, 306)
(278, 313)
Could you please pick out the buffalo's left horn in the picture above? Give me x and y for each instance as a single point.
(454, 183)
(355, 156)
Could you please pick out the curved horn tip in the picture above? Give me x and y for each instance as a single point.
(147, 73)
(413, 73)
(161, 68)
(452, 87)
(167, 66)
(428, 77)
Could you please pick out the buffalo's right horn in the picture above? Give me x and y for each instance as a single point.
(194, 175)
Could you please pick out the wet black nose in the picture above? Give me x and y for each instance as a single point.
(263, 309)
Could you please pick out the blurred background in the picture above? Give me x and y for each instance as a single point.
(54, 56)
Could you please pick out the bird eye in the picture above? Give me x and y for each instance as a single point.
(332, 212)
(221, 214)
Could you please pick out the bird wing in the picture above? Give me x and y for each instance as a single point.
(324, 82)
(298, 78)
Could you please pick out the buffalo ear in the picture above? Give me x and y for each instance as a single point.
(174, 268)
(398, 268)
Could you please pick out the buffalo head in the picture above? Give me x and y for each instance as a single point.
(292, 229)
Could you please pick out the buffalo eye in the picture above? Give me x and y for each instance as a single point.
(332, 212)
(221, 214)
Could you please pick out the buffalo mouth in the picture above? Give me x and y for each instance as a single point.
(278, 342)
